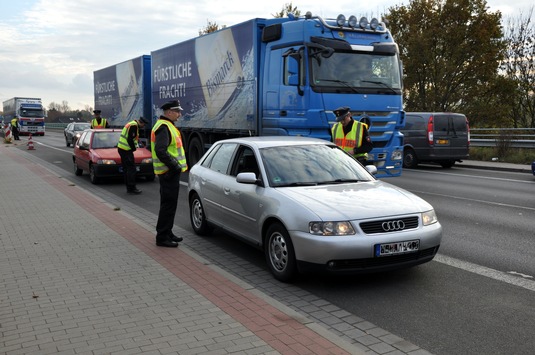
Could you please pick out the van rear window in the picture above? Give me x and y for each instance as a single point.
(459, 124)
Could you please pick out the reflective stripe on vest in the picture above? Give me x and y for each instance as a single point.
(123, 139)
(175, 148)
(94, 123)
(349, 141)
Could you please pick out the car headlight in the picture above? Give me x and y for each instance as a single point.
(106, 162)
(331, 228)
(146, 161)
(429, 217)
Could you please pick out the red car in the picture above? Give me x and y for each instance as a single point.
(96, 152)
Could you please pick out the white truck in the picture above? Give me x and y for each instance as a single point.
(29, 111)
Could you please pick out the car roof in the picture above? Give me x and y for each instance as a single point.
(276, 141)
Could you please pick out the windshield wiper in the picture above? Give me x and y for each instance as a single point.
(380, 83)
(341, 82)
(340, 181)
(298, 184)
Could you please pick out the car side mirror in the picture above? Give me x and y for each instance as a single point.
(246, 178)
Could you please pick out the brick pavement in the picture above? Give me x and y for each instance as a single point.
(80, 276)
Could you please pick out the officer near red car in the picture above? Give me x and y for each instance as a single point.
(350, 135)
(168, 160)
(128, 143)
(99, 122)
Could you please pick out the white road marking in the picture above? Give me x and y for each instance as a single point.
(487, 272)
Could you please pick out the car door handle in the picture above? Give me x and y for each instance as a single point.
(227, 190)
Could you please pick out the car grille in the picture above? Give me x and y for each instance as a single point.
(371, 263)
(377, 226)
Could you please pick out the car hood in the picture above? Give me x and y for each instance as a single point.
(355, 201)
(113, 154)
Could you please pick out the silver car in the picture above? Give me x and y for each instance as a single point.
(310, 207)
(73, 131)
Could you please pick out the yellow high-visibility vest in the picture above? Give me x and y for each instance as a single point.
(123, 140)
(175, 149)
(94, 123)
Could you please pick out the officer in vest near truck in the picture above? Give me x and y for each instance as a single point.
(350, 135)
(128, 143)
(169, 160)
(99, 122)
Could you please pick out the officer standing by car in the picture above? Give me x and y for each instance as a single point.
(99, 122)
(350, 135)
(128, 143)
(169, 160)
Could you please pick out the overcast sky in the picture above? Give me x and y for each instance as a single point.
(50, 48)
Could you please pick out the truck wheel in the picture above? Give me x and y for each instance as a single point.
(198, 217)
(279, 252)
(195, 151)
(409, 159)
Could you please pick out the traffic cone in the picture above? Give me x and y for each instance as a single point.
(30, 143)
(8, 135)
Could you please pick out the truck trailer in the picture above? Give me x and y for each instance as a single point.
(284, 76)
(123, 91)
(29, 111)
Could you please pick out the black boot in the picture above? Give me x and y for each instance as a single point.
(165, 242)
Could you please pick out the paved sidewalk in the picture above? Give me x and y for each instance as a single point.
(80, 276)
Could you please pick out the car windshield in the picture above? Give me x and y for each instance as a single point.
(81, 127)
(310, 165)
(103, 140)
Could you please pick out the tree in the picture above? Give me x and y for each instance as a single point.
(519, 67)
(287, 9)
(210, 27)
(450, 50)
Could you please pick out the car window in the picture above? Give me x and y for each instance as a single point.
(84, 140)
(81, 127)
(459, 124)
(220, 159)
(415, 123)
(245, 162)
(310, 164)
(103, 140)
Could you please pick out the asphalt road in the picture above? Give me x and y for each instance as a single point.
(476, 297)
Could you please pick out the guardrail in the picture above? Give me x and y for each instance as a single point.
(513, 137)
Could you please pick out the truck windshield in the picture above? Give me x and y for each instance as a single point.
(356, 71)
(32, 113)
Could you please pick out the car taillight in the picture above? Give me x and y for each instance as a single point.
(468, 130)
(430, 131)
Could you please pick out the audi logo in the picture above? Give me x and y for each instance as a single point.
(391, 226)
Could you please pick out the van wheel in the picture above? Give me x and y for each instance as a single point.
(447, 164)
(409, 159)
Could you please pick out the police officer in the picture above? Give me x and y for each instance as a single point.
(128, 143)
(15, 128)
(169, 160)
(350, 135)
(99, 122)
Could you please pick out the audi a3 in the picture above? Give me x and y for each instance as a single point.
(310, 207)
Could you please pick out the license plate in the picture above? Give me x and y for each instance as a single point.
(443, 141)
(386, 249)
(137, 169)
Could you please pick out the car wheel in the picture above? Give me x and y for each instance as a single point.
(77, 170)
(92, 175)
(280, 254)
(67, 142)
(447, 164)
(409, 159)
(198, 217)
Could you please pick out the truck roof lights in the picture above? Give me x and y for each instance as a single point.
(352, 21)
(363, 23)
(374, 23)
(341, 20)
